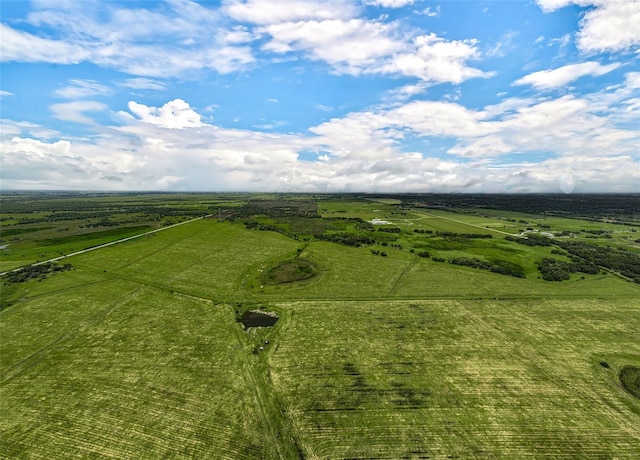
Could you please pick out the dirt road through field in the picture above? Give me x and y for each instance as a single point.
(66, 256)
(467, 223)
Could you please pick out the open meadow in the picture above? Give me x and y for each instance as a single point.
(407, 327)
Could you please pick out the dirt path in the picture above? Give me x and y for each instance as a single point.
(400, 277)
(102, 246)
(467, 223)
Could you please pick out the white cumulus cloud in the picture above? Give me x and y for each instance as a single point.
(610, 25)
(176, 114)
(349, 45)
(432, 58)
(551, 5)
(359, 46)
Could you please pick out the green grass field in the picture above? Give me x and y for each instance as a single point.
(139, 373)
(471, 379)
(138, 353)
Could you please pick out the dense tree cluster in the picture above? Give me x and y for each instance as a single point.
(60, 216)
(346, 239)
(596, 231)
(554, 269)
(502, 267)
(279, 208)
(558, 270)
(104, 222)
(532, 239)
(625, 262)
(585, 257)
(36, 272)
(364, 225)
(355, 232)
(583, 266)
(389, 229)
(454, 235)
(145, 213)
(630, 379)
(253, 225)
(621, 207)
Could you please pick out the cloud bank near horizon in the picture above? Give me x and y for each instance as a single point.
(321, 96)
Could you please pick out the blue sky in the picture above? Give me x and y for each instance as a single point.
(321, 95)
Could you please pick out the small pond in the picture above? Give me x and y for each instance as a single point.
(258, 319)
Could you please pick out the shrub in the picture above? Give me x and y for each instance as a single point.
(630, 379)
(554, 269)
(36, 272)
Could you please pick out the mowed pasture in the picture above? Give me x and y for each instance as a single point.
(138, 352)
(203, 258)
(461, 379)
(119, 370)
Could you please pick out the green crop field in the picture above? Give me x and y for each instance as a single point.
(435, 335)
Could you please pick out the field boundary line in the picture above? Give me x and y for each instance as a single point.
(251, 380)
(264, 394)
(67, 289)
(111, 243)
(113, 275)
(481, 298)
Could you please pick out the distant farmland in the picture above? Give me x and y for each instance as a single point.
(383, 348)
